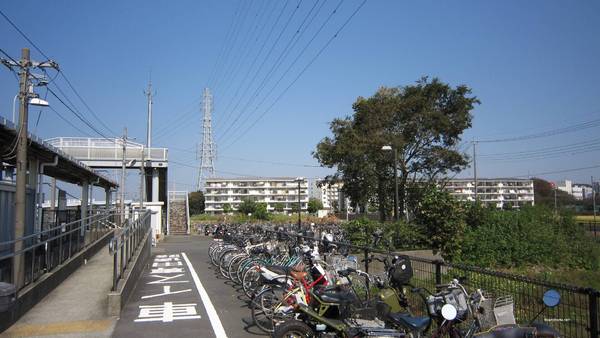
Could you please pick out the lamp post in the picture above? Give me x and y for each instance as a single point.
(299, 180)
(389, 148)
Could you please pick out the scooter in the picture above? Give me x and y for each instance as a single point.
(533, 329)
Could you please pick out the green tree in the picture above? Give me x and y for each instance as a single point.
(442, 218)
(279, 207)
(196, 202)
(335, 207)
(545, 192)
(226, 208)
(260, 211)
(247, 206)
(314, 205)
(294, 208)
(422, 122)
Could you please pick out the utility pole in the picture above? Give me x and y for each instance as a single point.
(149, 95)
(143, 180)
(475, 168)
(25, 93)
(149, 127)
(396, 196)
(21, 184)
(123, 165)
(555, 201)
(594, 200)
(299, 205)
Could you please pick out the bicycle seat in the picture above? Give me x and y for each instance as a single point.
(279, 269)
(411, 322)
(335, 296)
(298, 275)
(507, 331)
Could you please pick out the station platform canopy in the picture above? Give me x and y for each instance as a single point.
(68, 168)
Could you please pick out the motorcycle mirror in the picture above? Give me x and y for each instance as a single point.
(449, 312)
(551, 298)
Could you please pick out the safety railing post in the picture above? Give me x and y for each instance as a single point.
(115, 269)
(593, 312)
(438, 272)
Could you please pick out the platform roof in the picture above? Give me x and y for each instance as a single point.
(68, 169)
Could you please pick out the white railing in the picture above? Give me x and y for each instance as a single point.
(102, 149)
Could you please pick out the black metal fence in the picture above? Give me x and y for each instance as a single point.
(41, 252)
(126, 241)
(576, 316)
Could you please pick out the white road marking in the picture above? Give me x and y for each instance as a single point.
(210, 309)
(166, 291)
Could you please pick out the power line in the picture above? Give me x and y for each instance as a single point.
(560, 171)
(299, 75)
(225, 42)
(64, 76)
(78, 115)
(232, 72)
(23, 35)
(236, 34)
(218, 171)
(62, 73)
(289, 67)
(254, 160)
(268, 55)
(16, 63)
(68, 122)
(547, 152)
(241, 84)
(548, 133)
(272, 162)
(284, 52)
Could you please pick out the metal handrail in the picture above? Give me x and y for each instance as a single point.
(135, 234)
(58, 227)
(41, 255)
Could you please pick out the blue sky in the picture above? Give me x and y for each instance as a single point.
(534, 65)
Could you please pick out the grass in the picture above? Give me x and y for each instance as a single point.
(273, 219)
(587, 218)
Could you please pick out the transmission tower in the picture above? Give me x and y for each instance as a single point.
(207, 148)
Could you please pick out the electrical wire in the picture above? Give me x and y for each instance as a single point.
(241, 84)
(64, 76)
(298, 76)
(266, 58)
(559, 171)
(286, 71)
(86, 122)
(62, 73)
(69, 122)
(218, 171)
(563, 130)
(23, 35)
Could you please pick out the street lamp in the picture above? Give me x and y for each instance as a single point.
(299, 180)
(390, 148)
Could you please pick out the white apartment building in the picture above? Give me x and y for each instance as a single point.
(577, 190)
(269, 190)
(331, 195)
(498, 192)
(582, 191)
(566, 186)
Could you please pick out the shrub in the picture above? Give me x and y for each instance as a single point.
(530, 236)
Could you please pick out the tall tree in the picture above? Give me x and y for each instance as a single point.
(314, 205)
(196, 202)
(423, 122)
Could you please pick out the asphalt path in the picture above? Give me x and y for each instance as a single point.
(181, 295)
